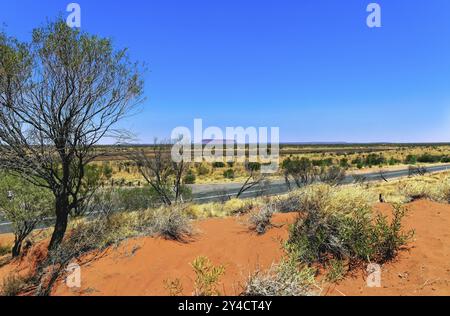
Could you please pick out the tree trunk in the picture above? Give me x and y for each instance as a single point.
(17, 247)
(62, 213)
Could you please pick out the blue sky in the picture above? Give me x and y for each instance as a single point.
(311, 67)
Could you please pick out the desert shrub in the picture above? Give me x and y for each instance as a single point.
(343, 163)
(25, 205)
(12, 285)
(411, 159)
(374, 160)
(388, 238)
(218, 164)
(343, 199)
(167, 222)
(332, 175)
(202, 169)
(288, 203)
(261, 219)
(85, 237)
(446, 192)
(232, 206)
(428, 158)
(393, 161)
(419, 189)
(301, 171)
(228, 174)
(207, 277)
(4, 250)
(135, 199)
(328, 230)
(189, 178)
(336, 271)
(283, 279)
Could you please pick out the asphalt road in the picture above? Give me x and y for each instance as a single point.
(204, 193)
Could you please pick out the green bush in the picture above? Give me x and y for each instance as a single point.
(336, 271)
(189, 178)
(25, 205)
(218, 164)
(335, 225)
(411, 160)
(228, 174)
(428, 158)
(135, 199)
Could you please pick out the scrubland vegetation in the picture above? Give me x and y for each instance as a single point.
(336, 230)
(77, 87)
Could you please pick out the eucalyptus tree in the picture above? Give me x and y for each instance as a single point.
(60, 95)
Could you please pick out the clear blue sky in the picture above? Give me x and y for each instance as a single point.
(311, 67)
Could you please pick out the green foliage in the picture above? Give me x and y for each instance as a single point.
(253, 166)
(393, 161)
(189, 178)
(336, 271)
(428, 158)
(135, 199)
(228, 174)
(107, 171)
(218, 164)
(206, 277)
(334, 225)
(23, 204)
(343, 163)
(411, 159)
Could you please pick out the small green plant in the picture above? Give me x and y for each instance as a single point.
(189, 178)
(228, 174)
(207, 277)
(336, 271)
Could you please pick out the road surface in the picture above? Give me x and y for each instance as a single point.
(204, 193)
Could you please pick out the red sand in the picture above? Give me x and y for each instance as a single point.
(140, 266)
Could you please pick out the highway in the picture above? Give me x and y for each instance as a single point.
(204, 193)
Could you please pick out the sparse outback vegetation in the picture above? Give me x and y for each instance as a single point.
(283, 279)
(336, 224)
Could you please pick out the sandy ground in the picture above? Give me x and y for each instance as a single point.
(140, 266)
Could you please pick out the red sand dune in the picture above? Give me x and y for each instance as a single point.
(140, 266)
